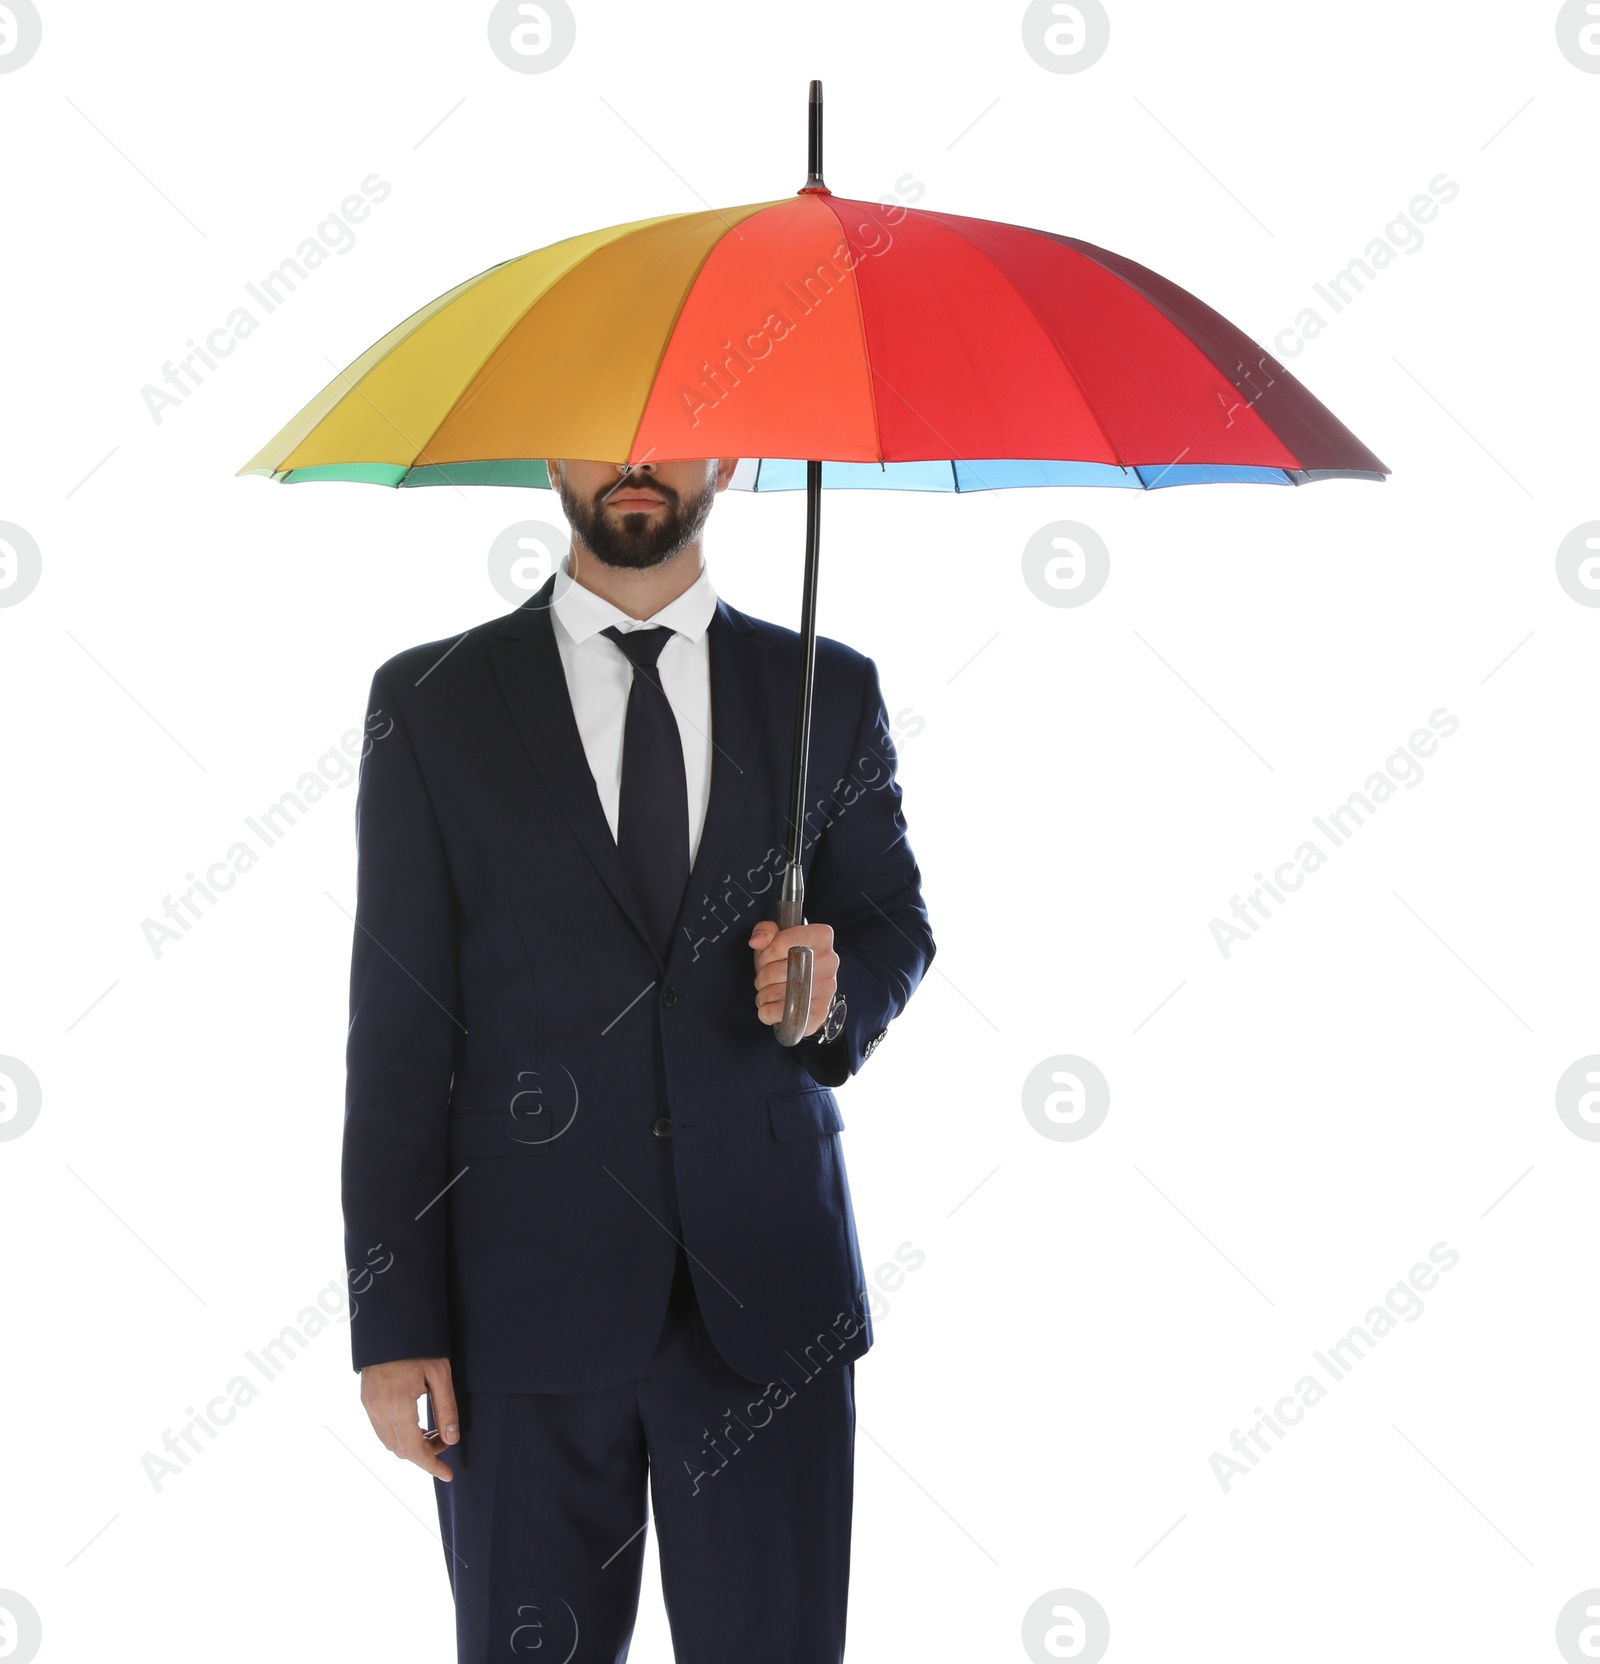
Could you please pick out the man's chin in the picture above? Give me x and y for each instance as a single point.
(630, 556)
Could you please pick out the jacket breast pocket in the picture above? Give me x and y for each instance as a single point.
(812, 1112)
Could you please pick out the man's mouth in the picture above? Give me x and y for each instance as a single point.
(635, 500)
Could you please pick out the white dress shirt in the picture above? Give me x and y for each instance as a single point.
(600, 675)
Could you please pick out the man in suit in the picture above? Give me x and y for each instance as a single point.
(594, 1212)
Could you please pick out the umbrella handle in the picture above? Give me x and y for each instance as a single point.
(797, 989)
(796, 997)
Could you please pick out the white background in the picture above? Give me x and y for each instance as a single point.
(1291, 1127)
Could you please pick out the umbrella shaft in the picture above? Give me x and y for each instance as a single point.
(793, 884)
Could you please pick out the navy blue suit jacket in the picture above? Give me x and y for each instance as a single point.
(510, 1200)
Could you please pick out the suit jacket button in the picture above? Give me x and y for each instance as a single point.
(669, 995)
(662, 1128)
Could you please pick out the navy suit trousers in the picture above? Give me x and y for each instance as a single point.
(545, 1521)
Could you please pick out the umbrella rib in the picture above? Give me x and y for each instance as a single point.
(626, 229)
(516, 323)
(872, 370)
(677, 316)
(420, 451)
(423, 315)
(1044, 329)
(861, 328)
(416, 450)
(1188, 331)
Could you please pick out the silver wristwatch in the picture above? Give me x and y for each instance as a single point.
(833, 1023)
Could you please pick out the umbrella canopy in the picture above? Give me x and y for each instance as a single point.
(904, 348)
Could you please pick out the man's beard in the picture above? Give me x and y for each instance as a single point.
(638, 539)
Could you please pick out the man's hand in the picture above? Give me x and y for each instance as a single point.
(772, 969)
(389, 1394)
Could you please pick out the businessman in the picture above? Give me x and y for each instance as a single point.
(595, 1214)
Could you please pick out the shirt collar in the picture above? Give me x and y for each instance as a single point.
(583, 613)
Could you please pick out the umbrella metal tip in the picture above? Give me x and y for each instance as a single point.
(814, 181)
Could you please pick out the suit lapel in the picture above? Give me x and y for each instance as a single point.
(527, 664)
(738, 702)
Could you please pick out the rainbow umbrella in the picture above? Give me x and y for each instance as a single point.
(827, 342)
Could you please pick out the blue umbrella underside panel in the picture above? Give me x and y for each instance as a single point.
(771, 474)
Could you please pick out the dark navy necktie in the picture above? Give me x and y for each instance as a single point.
(653, 813)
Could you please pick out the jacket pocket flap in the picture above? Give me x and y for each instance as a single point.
(809, 1113)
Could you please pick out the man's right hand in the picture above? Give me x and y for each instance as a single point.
(389, 1394)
